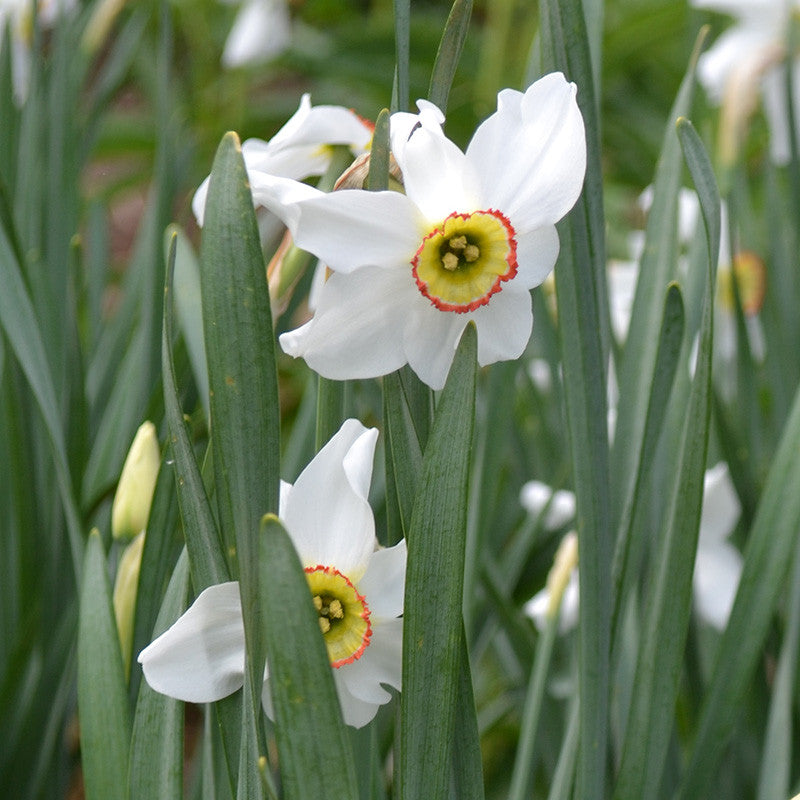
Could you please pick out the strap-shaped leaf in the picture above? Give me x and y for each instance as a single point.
(240, 348)
(667, 614)
(449, 53)
(156, 755)
(584, 342)
(314, 748)
(102, 692)
(433, 626)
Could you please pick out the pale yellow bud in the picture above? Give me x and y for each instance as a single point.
(557, 579)
(125, 587)
(131, 506)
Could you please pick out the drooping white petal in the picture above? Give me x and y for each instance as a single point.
(325, 125)
(347, 229)
(327, 513)
(537, 252)
(504, 326)
(381, 662)
(721, 507)
(356, 713)
(356, 329)
(716, 64)
(201, 657)
(383, 584)
(717, 570)
(437, 175)
(260, 32)
(430, 339)
(530, 156)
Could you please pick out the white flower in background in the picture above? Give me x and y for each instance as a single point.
(717, 568)
(560, 595)
(357, 589)
(749, 53)
(473, 233)
(558, 507)
(261, 31)
(17, 15)
(718, 565)
(300, 149)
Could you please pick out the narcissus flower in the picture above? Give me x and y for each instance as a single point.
(300, 149)
(357, 590)
(473, 233)
(261, 31)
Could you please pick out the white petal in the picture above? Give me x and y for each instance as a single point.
(381, 662)
(199, 201)
(356, 713)
(716, 64)
(356, 329)
(260, 32)
(537, 252)
(430, 339)
(326, 125)
(530, 155)
(437, 175)
(383, 584)
(347, 229)
(504, 326)
(201, 657)
(285, 491)
(538, 606)
(721, 507)
(717, 570)
(327, 514)
(403, 124)
(622, 279)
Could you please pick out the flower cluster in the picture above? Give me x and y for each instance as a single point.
(357, 589)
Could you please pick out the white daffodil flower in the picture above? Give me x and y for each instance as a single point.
(357, 589)
(749, 53)
(261, 31)
(18, 16)
(717, 568)
(473, 233)
(300, 149)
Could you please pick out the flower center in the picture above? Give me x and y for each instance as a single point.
(343, 614)
(751, 281)
(463, 262)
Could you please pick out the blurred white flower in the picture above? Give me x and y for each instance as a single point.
(717, 569)
(560, 595)
(357, 589)
(473, 233)
(748, 53)
(17, 16)
(261, 31)
(558, 506)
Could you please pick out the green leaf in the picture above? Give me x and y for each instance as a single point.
(156, 754)
(330, 409)
(433, 626)
(667, 614)
(313, 744)
(102, 693)
(203, 542)
(402, 34)
(659, 266)
(449, 53)
(378, 178)
(18, 321)
(767, 557)
(240, 347)
(584, 340)
(629, 547)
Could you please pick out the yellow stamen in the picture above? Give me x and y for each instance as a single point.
(324, 624)
(471, 253)
(457, 243)
(450, 261)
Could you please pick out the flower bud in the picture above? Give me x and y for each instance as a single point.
(125, 589)
(131, 506)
